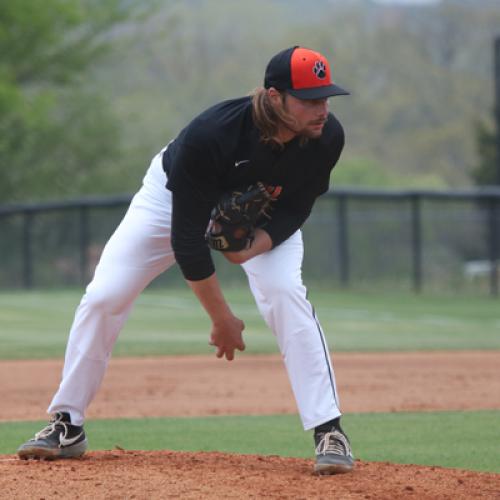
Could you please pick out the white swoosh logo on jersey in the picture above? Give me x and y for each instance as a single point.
(68, 442)
(240, 162)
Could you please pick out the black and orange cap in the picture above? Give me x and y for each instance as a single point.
(303, 73)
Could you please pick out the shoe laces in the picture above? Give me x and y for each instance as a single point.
(49, 429)
(333, 442)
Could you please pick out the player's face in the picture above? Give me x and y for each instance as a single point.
(310, 115)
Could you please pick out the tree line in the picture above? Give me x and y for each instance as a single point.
(90, 90)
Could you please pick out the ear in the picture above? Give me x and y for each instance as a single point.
(274, 95)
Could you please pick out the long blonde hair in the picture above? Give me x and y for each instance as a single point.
(269, 118)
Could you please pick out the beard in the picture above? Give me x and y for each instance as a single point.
(312, 134)
(312, 130)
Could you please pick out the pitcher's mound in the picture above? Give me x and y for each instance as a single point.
(164, 474)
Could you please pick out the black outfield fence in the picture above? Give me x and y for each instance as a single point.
(359, 238)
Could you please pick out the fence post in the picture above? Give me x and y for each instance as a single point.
(416, 239)
(27, 250)
(496, 70)
(343, 239)
(493, 244)
(83, 242)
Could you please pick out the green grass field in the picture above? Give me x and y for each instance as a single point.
(35, 325)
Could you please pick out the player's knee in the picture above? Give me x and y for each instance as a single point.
(105, 299)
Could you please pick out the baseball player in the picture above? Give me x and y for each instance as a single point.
(282, 137)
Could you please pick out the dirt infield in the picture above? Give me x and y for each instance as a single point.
(257, 385)
(198, 385)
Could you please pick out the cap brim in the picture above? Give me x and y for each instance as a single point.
(318, 92)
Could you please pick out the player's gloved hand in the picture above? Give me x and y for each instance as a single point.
(234, 218)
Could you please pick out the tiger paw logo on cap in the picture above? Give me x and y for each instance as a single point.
(303, 73)
(319, 69)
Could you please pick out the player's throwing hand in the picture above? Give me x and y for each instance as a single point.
(227, 336)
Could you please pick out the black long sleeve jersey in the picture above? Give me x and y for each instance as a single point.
(221, 150)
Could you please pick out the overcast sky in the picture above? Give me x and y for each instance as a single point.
(409, 2)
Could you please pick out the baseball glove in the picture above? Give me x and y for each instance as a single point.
(234, 218)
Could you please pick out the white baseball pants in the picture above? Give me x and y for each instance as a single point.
(140, 250)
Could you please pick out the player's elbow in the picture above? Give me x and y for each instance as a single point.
(236, 257)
